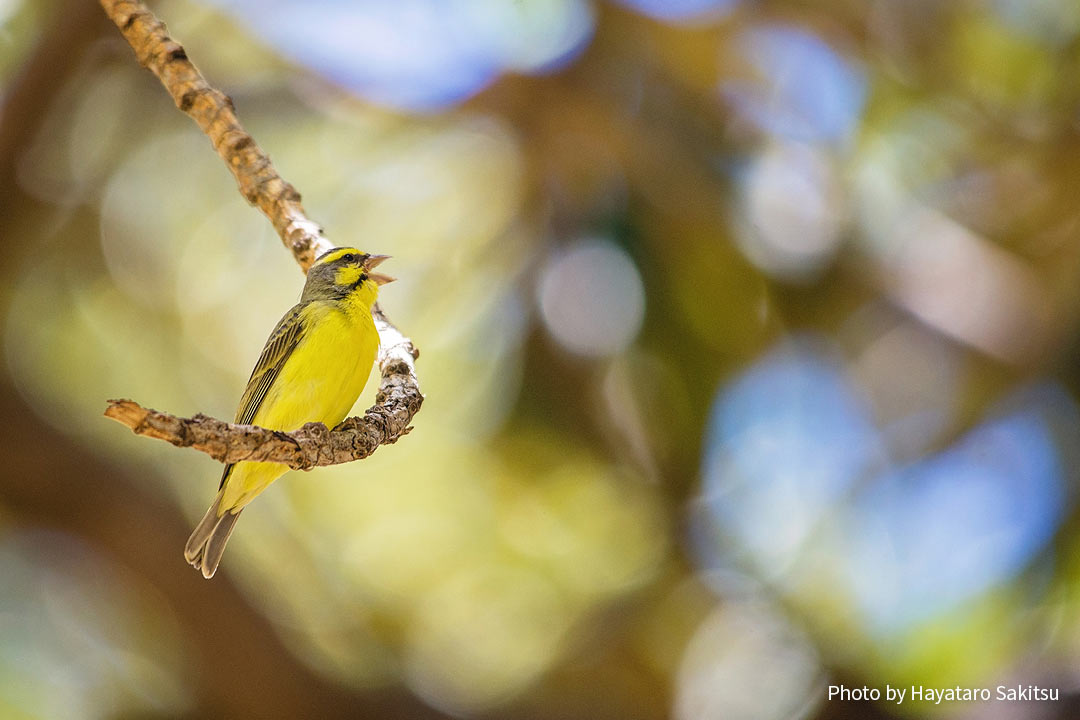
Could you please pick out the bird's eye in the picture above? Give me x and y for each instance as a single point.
(349, 258)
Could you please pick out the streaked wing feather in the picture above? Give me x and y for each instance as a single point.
(283, 340)
(279, 346)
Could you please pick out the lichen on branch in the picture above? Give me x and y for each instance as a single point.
(399, 396)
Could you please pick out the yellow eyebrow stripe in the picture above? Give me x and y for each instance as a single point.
(335, 255)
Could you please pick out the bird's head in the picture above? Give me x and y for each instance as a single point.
(343, 271)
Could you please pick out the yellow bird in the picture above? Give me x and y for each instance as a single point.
(312, 369)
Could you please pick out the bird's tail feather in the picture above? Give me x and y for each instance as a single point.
(207, 542)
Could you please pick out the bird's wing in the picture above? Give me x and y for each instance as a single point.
(279, 346)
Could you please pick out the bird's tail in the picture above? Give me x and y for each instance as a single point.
(207, 541)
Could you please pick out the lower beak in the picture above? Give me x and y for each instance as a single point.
(374, 261)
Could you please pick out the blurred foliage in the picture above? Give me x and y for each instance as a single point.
(747, 331)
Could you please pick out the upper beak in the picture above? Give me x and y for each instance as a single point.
(373, 261)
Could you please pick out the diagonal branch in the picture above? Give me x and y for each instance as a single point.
(215, 115)
(399, 396)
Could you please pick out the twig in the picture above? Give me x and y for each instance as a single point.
(399, 396)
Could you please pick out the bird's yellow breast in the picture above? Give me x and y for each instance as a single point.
(320, 382)
(325, 373)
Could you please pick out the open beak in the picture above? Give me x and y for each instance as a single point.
(374, 261)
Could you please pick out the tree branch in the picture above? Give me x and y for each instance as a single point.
(215, 115)
(399, 396)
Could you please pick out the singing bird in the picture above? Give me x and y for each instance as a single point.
(312, 369)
